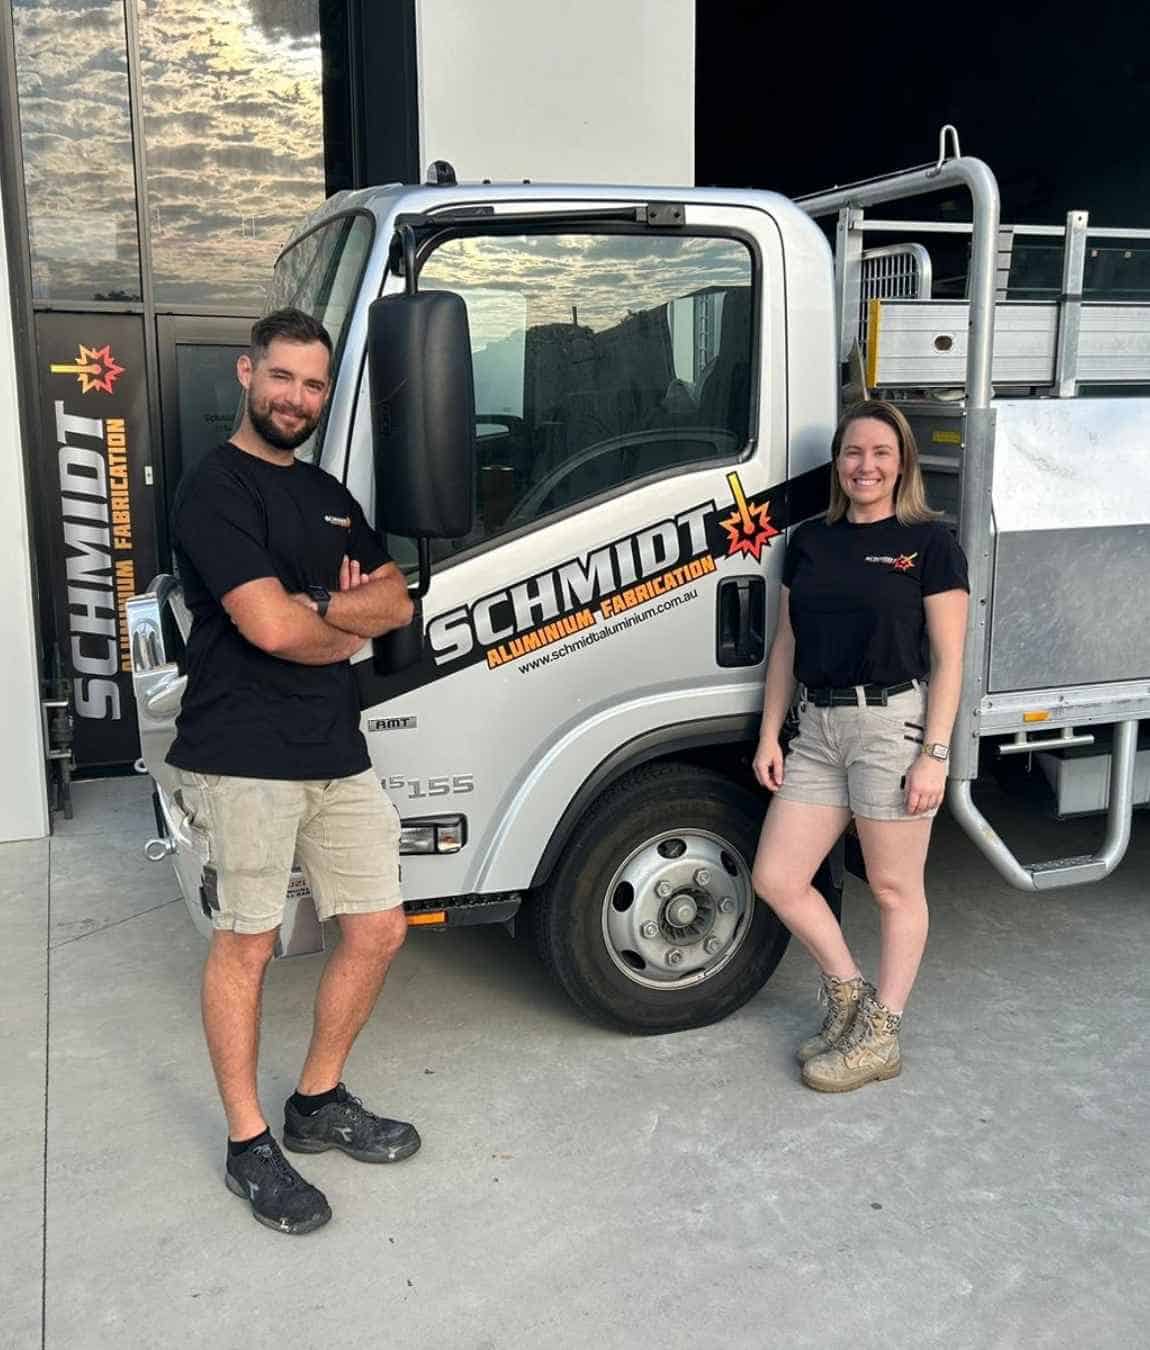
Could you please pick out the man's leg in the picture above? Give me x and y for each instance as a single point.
(349, 848)
(232, 986)
(347, 993)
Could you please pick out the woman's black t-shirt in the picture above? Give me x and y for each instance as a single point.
(856, 598)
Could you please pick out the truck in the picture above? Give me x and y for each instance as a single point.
(586, 418)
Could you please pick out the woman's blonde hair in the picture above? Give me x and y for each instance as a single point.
(910, 504)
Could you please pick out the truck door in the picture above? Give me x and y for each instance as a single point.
(619, 583)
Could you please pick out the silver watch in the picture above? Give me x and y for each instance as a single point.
(936, 750)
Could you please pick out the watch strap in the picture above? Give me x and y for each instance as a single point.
(322, 597)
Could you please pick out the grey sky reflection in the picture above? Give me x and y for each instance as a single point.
(234, 121)
(526, 281)
(233, 124)
(73, 90)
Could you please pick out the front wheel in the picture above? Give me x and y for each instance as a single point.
(649, 921)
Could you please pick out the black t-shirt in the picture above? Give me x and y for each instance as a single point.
(247, 713)
(856, 598)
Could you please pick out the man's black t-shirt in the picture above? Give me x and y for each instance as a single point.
(856, 598)
(246, 713)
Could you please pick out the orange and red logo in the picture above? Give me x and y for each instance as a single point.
(95, 367)
(749, 529)
(904, 562)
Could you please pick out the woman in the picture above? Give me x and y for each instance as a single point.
(874, 601)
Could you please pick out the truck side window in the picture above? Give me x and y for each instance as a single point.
(599, 359)
(320, 274)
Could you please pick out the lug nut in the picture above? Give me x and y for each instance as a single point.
(663, 889)
(711, 946)
(650, 929)
(674, 957)
(726, 905)
(702, 876)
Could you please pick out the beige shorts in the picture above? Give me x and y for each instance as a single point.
(248, 831)
(857, 757)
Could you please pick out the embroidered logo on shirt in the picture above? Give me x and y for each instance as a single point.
(345, 521)
(903, 563)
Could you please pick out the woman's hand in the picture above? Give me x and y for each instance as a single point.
(925, 784)
(768, 763)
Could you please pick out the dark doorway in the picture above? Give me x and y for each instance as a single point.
(199, 396)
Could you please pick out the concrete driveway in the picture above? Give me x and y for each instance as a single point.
(578, 1188)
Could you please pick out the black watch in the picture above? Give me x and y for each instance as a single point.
(322, 597)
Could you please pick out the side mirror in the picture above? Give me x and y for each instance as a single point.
(423, 434)
(422, 415)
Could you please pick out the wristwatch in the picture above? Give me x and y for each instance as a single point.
(322, 597)
(936, 750)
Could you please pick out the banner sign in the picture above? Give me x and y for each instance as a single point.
(96, 475)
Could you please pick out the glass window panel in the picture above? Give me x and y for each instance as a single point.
(321, 276)
(208, 396)
(233, 121)
(598, 361)
(76, 133)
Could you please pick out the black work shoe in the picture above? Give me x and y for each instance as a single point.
(280, 1198)
(349, 1125)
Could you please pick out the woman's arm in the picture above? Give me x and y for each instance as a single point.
(946, 632)
(780, 686)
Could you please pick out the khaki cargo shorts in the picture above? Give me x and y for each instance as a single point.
(857, 757)
(248, 831)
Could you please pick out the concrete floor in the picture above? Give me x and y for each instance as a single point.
(578, 1188)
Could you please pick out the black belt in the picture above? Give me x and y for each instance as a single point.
(874, 694)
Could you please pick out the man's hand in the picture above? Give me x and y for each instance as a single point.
(350, 574)
(370, 605)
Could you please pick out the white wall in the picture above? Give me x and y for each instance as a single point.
(598, 91)
(23, 790)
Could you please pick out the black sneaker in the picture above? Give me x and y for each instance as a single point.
(280, 1198)
(349, 1125)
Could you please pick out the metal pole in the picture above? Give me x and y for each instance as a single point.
(1070, 304)
(147, 289)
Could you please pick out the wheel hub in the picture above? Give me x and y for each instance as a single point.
(681, 910)
(677, 909)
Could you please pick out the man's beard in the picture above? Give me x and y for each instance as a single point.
(261, 420)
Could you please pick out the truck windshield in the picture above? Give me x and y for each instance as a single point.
(599, 360)
(320, 274)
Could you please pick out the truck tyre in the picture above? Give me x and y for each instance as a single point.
(649, 921)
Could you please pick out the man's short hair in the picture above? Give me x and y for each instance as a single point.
(292, 325)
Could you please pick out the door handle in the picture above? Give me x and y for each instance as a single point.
(740, 621)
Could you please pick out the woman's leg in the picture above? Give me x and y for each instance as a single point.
(796, 837)
(895, 854)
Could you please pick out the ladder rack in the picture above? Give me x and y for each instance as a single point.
(911, 340)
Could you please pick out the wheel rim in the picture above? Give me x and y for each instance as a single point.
(677, 909)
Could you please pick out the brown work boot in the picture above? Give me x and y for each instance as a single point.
(867, 1053)
(841, 998)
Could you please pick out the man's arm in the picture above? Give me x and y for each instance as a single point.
(273, 621)
(373, 605)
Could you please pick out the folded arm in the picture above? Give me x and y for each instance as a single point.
(274, 621)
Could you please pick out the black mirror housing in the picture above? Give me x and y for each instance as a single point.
(422, 415)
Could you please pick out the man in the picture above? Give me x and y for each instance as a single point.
(286, 581)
